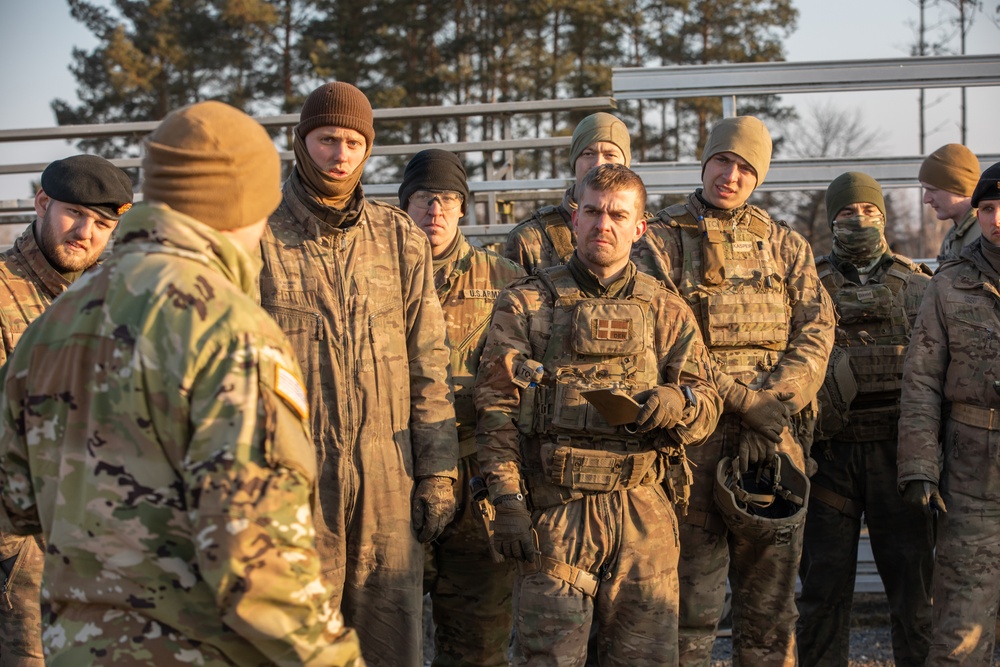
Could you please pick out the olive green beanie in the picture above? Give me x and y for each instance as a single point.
(746, 136)
(600, 127)
(952, 168)
(213, 163)
(853, 187)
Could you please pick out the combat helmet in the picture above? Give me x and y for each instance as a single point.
(767, 503)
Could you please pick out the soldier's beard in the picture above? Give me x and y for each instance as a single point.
(859, 239)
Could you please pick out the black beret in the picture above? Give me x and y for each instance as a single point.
(91, 181)
(435, 170)
(988, 186)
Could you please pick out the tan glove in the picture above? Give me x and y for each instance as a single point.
(432, 508)
(754, 448)
(662, 407)
(924, 496)
(512, 533)
(765, 411)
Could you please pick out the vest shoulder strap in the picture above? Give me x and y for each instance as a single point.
(557, 228)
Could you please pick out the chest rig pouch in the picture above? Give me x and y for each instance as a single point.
(732, 281)
(872, 326)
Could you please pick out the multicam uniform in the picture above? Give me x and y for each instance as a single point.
(767, 323)
(857, 474)
(28, 284)
(949, 435)
(470, 593)
(546, 238)
(359, 305)
(601, 498)
(960, 236)
(154, 431)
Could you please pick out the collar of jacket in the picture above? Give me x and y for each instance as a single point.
(456, 263)
(156, 228)
(322, 220)
(38, 264)
(850, 271)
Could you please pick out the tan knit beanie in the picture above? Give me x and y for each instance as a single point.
(952, 168)
(214, 163)
(600, 127)
(339, 104)
(746, 136)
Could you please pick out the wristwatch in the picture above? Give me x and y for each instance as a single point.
(508, 496)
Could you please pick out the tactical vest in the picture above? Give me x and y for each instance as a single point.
(874, 330)
(589, 343)
(558, 229)
(735, 288)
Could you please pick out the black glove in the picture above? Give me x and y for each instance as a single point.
(767, 413)
(662, 407)
(754, 448)
(512, 534)
(924, 496)
(433, 507)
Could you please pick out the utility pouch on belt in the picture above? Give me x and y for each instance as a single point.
(597, 470)
(678, 480)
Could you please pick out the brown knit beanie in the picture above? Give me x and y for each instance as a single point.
(952, 168)
(746, 136)
(214, 163)
(853, 187)
(339, 104)
(600, 127)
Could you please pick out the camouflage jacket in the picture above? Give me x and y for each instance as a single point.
(953, 358)
(359, 305)
(166, 458)
(753, 244)
(960, 236)
(28, 284)
(521, 330)
(546, 238)
(468, 284)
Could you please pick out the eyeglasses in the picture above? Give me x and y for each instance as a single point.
(447, 200)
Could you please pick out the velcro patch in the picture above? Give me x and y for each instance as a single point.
(743, 247)
(604, 329)
(491, 294)
(289, 388)
(866, 294)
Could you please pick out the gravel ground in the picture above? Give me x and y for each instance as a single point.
(871, 644)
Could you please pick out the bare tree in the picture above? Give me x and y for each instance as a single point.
(823, 131)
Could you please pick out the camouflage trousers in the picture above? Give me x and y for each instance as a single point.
(20, 608)
(470, 594)
(902, 541)
(628, 539)
(966, 583)
(762, 576)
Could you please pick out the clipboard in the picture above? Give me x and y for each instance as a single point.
(617, 407)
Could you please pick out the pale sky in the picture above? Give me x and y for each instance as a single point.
(37, 38)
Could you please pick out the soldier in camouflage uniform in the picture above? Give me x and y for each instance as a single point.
(948, 177)
(547, 238)
(599, 546)
(949, 436)
(768, 325)
(154, 431)
(877, 294)
(78, 206)
(351, 283)
(470, 593)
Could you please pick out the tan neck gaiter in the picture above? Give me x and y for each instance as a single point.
(331, 192)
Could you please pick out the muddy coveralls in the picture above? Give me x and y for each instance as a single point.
(601, 498)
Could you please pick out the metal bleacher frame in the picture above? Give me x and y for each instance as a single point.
(726, 81)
